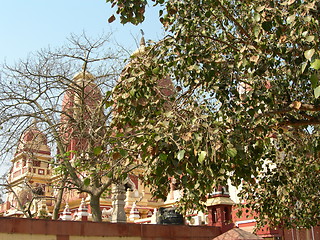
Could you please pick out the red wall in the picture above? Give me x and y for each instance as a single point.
(64, 229)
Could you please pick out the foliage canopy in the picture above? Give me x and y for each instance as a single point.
(248, 105)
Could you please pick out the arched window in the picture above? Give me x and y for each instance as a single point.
(214, 215)
(226, 214)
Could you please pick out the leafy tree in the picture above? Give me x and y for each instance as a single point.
(72, 110)
(248, 105)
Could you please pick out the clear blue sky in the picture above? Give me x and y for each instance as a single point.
(29, 25)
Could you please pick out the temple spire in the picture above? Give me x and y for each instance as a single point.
(142, 41)
(141, 49)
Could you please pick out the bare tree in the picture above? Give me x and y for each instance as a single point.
(24, 196)
(72, 110)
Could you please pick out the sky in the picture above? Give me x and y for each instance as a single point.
(30, 25)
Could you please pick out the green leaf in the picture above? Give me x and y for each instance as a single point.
(256, 30)
(315, 64)
(132, 91)
(156, 70)
(314, 80)
(309, 53)
(108, 94)
(180, 154)
(202, 156)
(110, 174)
(317, 92)
(303, 67)
(86, 181)
(175, 162)
(108, 104)
(267, 25)
(123, 152)
(251, 112)
(308, 18)
(157, 138)
(260, 8)
(163, 157)
(97, 150)
(232, 152)
(257, 17)
(290, 2)
(291, 18)
(310, 38)
(190, 171)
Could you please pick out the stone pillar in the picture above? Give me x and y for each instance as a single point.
(172, 188)
(118, 196)
(154, 216)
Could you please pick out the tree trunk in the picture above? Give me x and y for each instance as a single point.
(95, 208)
(57, 205)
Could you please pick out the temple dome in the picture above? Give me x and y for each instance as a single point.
(33, 138)
(33, 134)
(83, 75)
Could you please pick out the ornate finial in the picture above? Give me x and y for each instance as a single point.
(66, 208)
(104, 212)
(66, 214)
(142, 41)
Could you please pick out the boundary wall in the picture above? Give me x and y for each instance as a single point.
(38, 229)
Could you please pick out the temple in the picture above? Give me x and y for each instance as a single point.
(31, 178)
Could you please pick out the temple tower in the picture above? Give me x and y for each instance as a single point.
(80, 111)
(30, 174)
